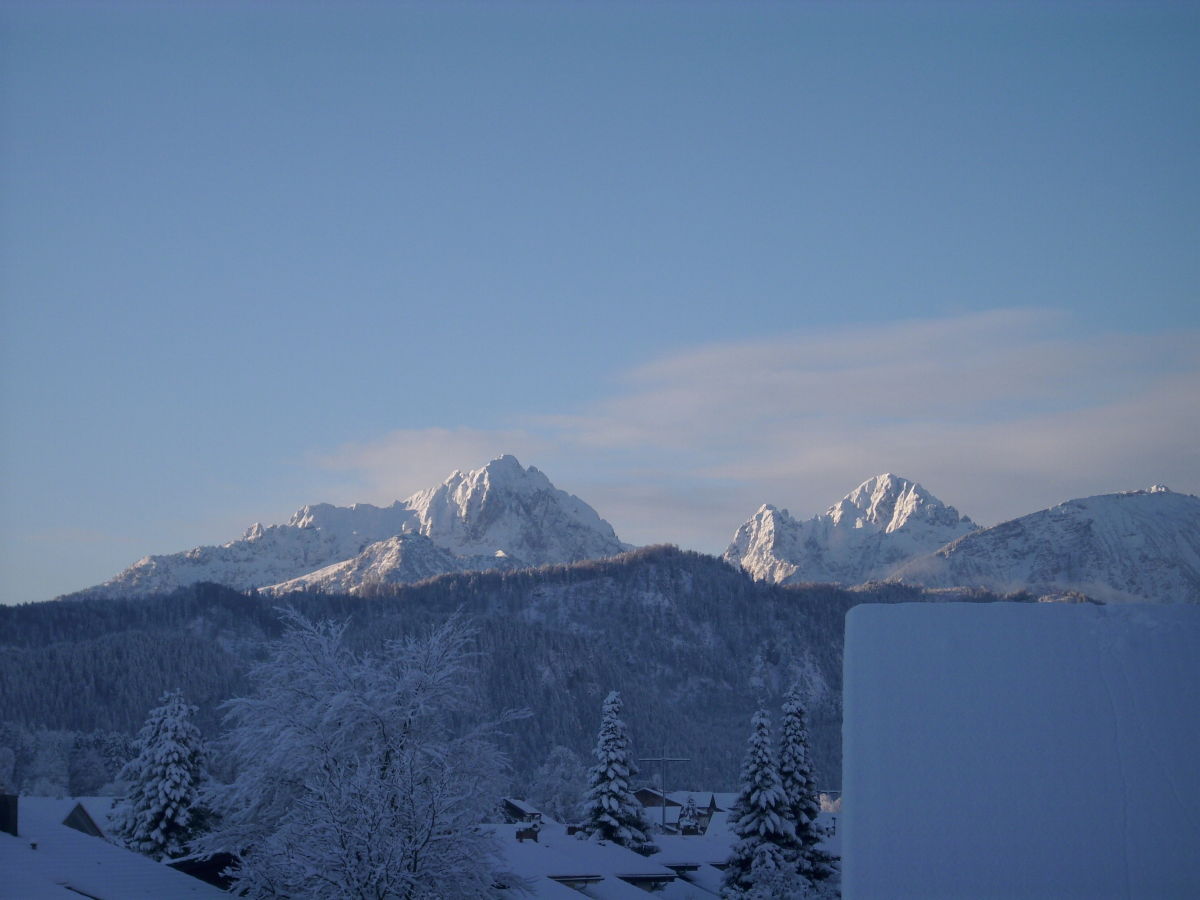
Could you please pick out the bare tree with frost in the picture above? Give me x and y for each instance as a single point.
(558, 784)
(157, 815)
(612, 812)
(352, 779)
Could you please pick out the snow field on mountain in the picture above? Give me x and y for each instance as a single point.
(883, 522)
(501, 515)
(1130, 546)
(1021, 750)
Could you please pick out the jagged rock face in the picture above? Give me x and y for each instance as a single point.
(882, 523)
(498, 516)
(518, 511)
(1138, 545)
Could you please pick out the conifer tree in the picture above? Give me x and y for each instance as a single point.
(689, 816)
(612, 812)
(157, 816)
(800, 790)
(759, 814)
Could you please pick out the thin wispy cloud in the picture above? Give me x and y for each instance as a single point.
(999, 413)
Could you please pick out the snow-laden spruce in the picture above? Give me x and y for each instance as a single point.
(157, 815)
(353, 779)
(689, 817)
(613, 812)
(760, 815)
(800, 791)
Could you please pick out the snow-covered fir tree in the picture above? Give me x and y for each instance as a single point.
(772, 876)
(689, 816)
(157, 816)
(759, 815)
(612, 812)
(800, 790)
(355, 775)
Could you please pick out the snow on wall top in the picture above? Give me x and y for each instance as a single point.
(1021, 750)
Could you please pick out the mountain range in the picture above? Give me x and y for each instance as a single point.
(885, 521)
(1131, 546)
(1139, 545)
(500, 516)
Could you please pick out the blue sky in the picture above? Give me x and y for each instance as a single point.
(685, 258)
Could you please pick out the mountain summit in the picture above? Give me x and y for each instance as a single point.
(882, 523)
(1131, 546)
(501, 515)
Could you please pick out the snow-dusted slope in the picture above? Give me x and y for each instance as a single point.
(501, 508)
(883, 522)
(398, 560)
(1138, 545)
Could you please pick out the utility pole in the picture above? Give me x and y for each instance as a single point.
(664, 759)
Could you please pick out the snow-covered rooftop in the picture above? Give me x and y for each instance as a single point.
(66, 863)
(556, 856)
(1021, 750)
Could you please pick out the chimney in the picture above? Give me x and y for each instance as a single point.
(8, 814)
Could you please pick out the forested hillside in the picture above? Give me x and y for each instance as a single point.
(687, 639)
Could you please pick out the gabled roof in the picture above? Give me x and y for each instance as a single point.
(522, 807)
(67, 863)
(557, 856)
(648, 794)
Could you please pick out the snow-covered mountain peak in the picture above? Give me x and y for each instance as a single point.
(889, 502)
(769, 514)
(504, 506)
(1135, 545)
(882, 522)
(499, 515)
(504, 474)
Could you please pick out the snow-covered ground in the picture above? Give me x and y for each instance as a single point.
(1021, 750)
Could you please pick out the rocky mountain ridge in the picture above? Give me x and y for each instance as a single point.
(885, 521)
(500, 515)
(1133, 546)
(1139, 546)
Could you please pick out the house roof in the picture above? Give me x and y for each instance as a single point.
(522, 806)
(67, 863)
(556, 855)
(714, 846)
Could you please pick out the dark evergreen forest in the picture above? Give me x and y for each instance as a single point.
(689, 641)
